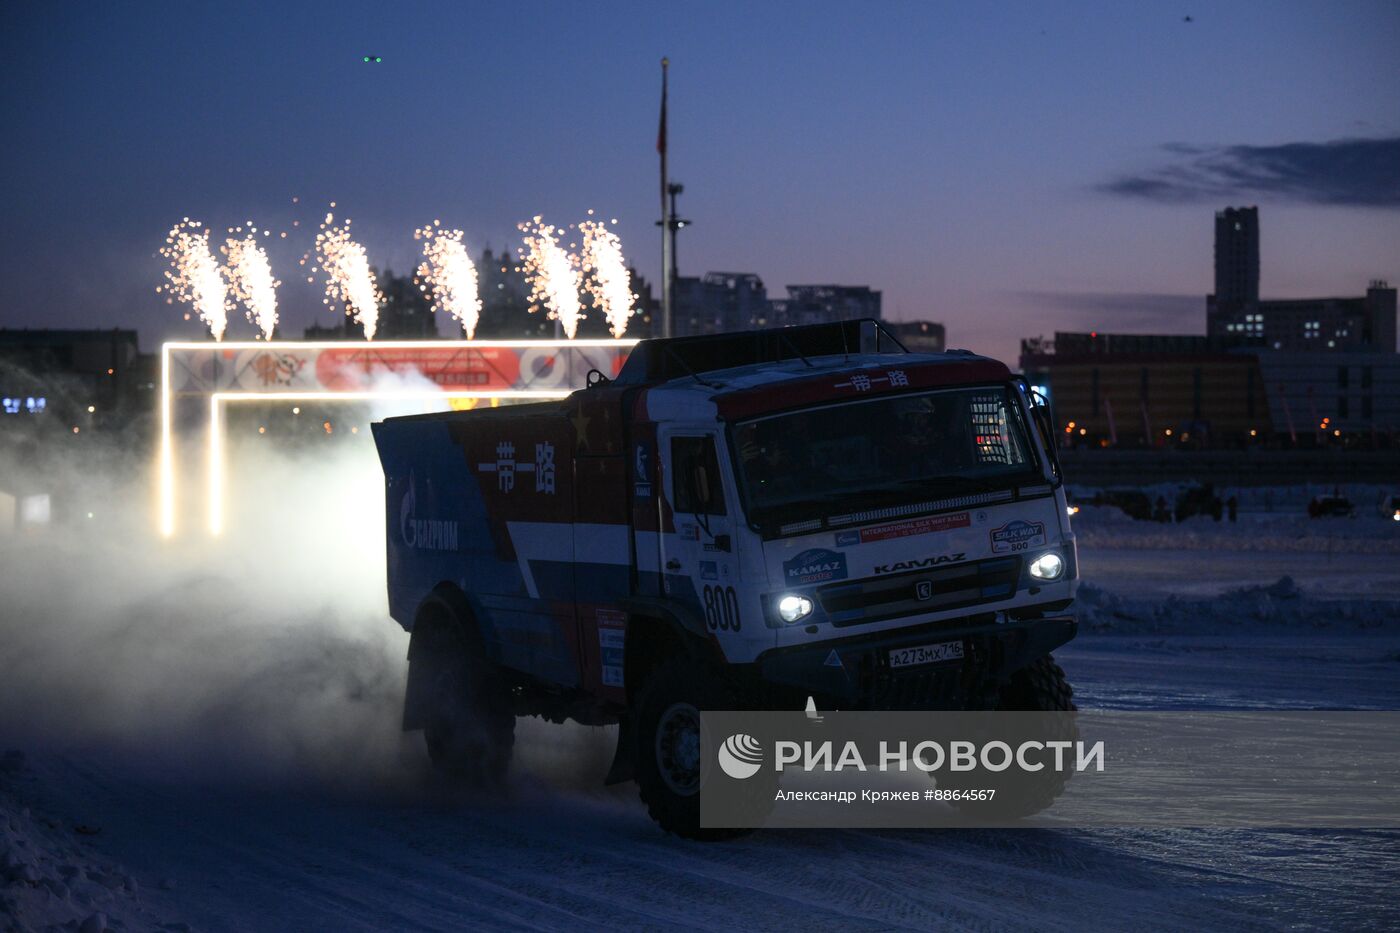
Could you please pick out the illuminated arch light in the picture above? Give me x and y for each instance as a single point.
(530, 381)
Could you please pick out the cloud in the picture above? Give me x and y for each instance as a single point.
(1346, 172)
(1127, 312)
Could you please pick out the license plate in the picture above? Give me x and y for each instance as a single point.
(926, 654)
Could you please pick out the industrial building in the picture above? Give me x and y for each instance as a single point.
(1290, 372)
(1130, 390)
(724, 302)
(72, 379)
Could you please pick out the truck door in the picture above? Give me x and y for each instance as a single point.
(697, 557)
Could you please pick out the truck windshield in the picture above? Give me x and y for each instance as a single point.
(884, 451)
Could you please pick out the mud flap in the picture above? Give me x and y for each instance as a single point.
(622, 764)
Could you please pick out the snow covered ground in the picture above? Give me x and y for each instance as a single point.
(207, 739)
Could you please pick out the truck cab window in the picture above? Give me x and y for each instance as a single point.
(695, 481)
(881, 452)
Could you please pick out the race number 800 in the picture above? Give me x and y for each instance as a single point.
(721, 608)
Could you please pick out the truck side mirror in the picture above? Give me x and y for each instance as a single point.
(1040, 411)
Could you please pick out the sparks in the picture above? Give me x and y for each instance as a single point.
(194, 275)
(250, 280)
(448, 270)
(608, 280)
(553, 275)
(349, 278)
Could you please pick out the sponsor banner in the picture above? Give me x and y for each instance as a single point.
(612, 631)
(454, 366)
(359, 367)
(814, 565)
(905, 529)
(1108, 768)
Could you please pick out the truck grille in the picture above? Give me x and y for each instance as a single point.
(888, 597)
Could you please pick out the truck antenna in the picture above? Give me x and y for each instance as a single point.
(793, 347)
(690, 372)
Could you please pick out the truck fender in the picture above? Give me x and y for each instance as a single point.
(666, 624)
(668, 612)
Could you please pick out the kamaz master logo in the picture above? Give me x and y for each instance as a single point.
(921, 564)
(815, 565)
(424, 533)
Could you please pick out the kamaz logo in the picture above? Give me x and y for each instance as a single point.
(424, 533)
(921, 564)
(815, 565)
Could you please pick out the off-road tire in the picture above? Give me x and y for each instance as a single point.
(470, 732)
(682, 687)
(1040, 687)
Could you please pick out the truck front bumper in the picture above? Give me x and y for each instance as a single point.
(855, 672)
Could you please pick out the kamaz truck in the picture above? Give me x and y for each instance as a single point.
(763, 520)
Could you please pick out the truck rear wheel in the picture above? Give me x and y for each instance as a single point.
(470, 729)
(668, 765)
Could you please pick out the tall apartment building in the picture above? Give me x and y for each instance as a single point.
(1365, 323)
(1237, 257)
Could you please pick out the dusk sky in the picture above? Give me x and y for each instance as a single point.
(1007, 169)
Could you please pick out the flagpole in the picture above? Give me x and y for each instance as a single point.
(666, 284)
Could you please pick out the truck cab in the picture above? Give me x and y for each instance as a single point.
(759, 520)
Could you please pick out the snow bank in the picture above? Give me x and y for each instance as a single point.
(1108, 527)
(1278, 607)
(51, 878)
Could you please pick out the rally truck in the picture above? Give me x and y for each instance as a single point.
(763, 520)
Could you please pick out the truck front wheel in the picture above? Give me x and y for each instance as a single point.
(470, 728)
(1040, 687)
(668, 764)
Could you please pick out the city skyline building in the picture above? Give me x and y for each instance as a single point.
(1236, 257)
(1236, 312)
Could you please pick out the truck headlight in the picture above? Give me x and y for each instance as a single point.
(791, 608)
(1048, 566)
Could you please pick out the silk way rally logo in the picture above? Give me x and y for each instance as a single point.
(424, 533)
(740, 756)
(1017, 535)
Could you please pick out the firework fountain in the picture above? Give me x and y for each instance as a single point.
(348, 275)
(447, 269)
(194, 276)
(250, 278)
(556, 274)
(553, 274)
(608, 280)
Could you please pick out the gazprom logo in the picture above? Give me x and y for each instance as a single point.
(740, 756)
(423, 533)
